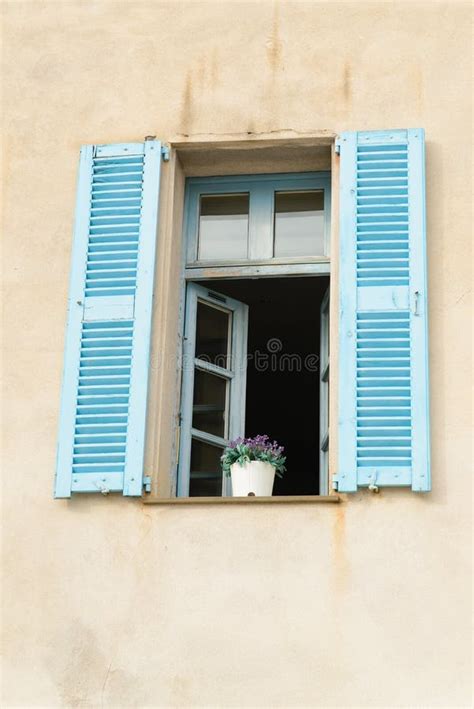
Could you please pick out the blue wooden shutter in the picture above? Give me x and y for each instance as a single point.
(383, 355)
(103, 409)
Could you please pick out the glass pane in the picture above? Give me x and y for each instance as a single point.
(299, 223)
(212, 334)
(209, 412)
(223, 227)
(206, 471)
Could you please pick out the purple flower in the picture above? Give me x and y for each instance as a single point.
(234, 444)
(257, 448)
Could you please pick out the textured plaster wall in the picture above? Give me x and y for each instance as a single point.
(110, 603)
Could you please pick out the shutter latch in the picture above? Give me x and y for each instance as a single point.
(100, 485)
(416, 310)
(373, 487)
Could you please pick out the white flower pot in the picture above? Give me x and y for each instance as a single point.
(253, 478)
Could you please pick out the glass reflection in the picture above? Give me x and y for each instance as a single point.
(299, 223)
(223, 227)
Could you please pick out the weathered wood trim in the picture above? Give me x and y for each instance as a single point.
(277, 271)
(274, 139)
(283, 499)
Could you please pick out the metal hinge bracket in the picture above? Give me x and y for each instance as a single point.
(165, 153)
(147, 483)
(337, 146)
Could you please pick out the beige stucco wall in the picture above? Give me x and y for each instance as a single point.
(108, 602)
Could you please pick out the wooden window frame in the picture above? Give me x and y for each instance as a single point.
(262, 202)
(218, 157)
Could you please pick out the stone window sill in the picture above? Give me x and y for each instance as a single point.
(283, 499)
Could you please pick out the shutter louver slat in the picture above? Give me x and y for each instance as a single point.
(375, 218)
(102, 422)
(383, 408)
(372, 347)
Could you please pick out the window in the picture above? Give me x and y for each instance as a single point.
(273, 218)
(253, 346)
(256, 244)
(213, 388)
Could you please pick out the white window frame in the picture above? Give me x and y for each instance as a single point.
(234, 374)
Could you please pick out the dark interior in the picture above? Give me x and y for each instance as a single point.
(283, 370)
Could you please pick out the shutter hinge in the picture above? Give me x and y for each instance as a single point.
(147, 483)
(94, 151)
(335, 483)
(337, 146)
(165, 153)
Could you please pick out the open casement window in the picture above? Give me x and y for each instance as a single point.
(383, 343)
(103, 410)
(214, 372)
(251, 366)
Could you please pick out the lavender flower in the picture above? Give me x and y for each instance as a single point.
(243, 450)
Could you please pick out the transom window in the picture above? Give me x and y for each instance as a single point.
(258, 218)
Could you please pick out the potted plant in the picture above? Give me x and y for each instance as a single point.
(253, 463)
